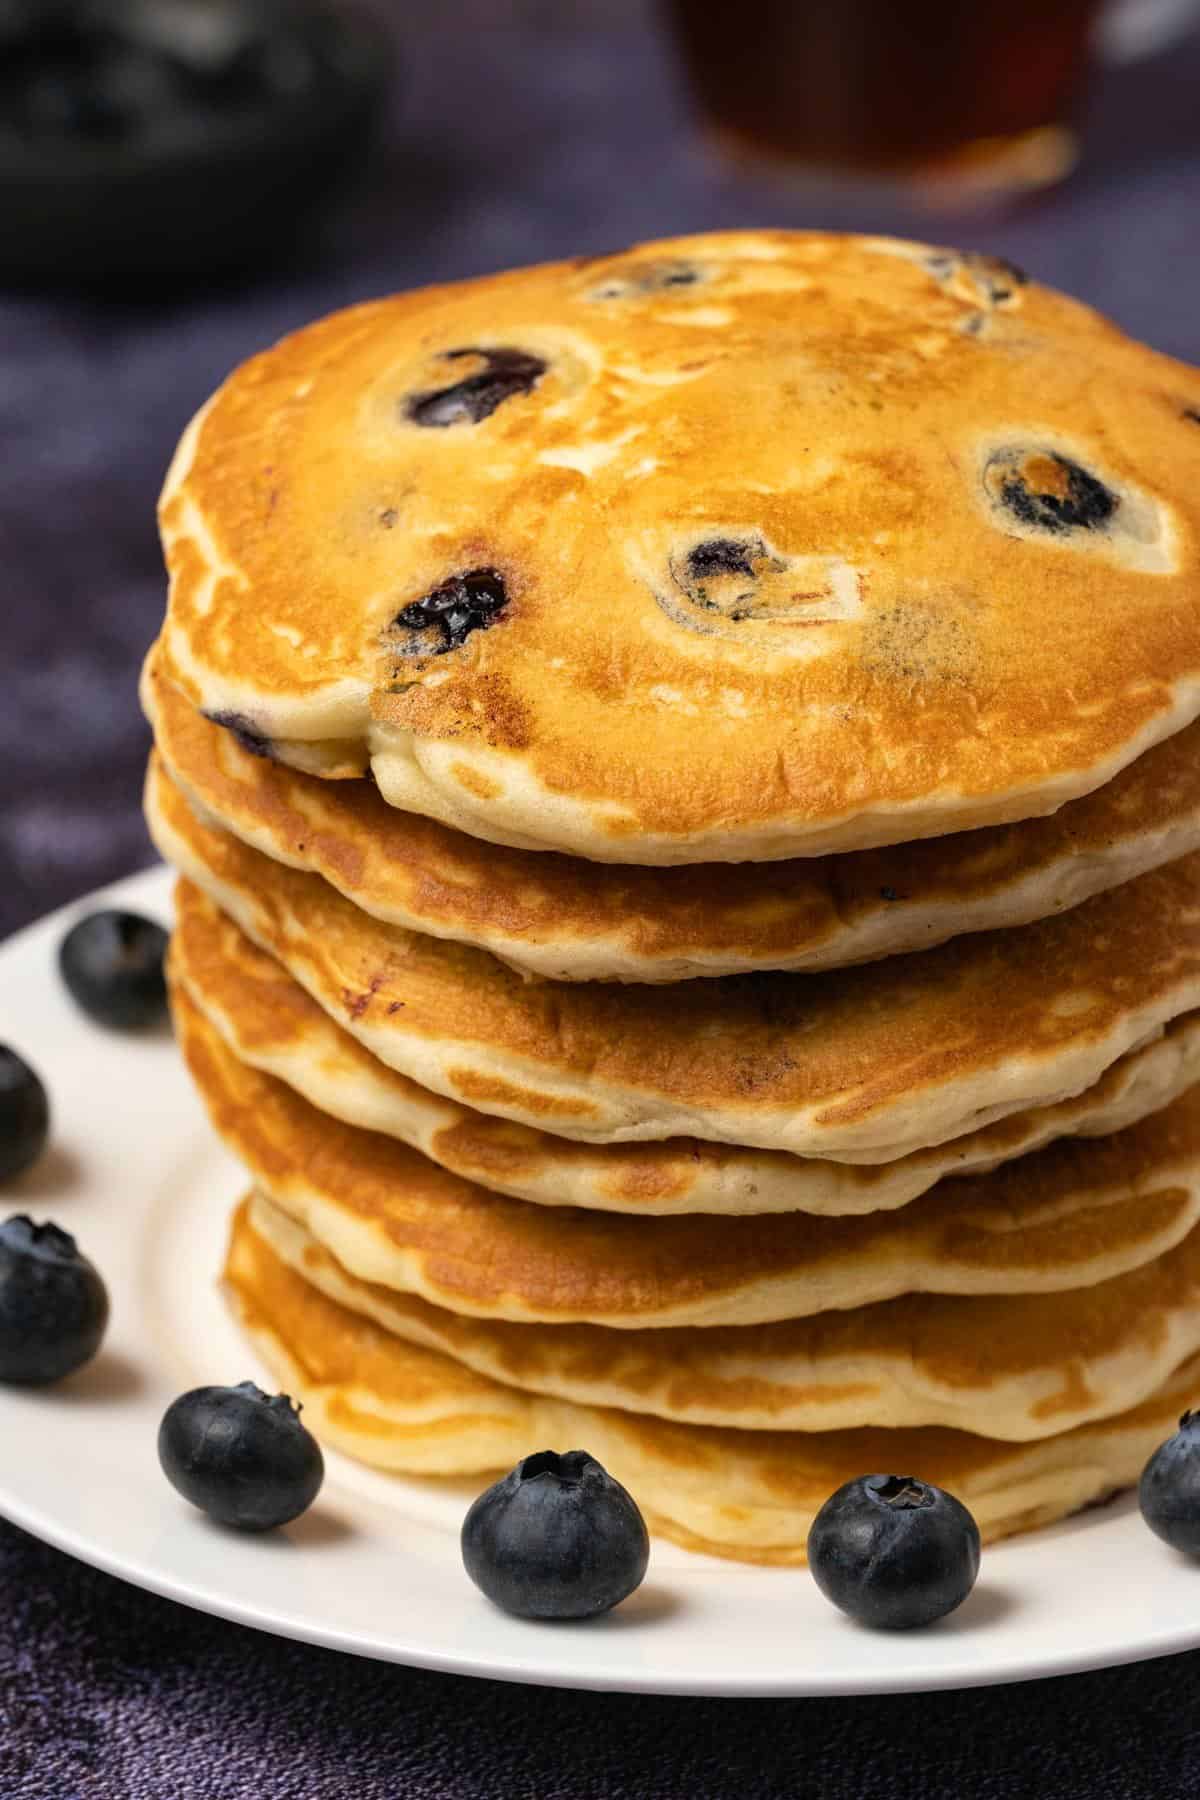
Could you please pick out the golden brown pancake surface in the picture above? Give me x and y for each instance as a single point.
(729, 547)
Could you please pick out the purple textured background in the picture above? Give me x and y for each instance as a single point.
(110, 1694)
(532, 130)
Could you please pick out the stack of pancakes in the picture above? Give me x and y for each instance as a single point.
(685, 774)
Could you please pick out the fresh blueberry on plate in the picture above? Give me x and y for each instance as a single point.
(1169, 1490)
(893, 1552)
(240, 1455)
(53, 1304)
(556, 1538)
(24, 1114)
(112, 964)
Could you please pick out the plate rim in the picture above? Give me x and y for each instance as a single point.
(529, 1664)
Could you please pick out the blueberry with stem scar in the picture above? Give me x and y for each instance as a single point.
(894, 1552)
(240, 1455)
(557, 1538)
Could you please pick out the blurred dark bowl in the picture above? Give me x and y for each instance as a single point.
(154, 141)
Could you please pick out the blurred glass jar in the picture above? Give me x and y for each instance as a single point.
(951, 95)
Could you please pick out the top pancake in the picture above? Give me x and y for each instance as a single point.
(724, 548)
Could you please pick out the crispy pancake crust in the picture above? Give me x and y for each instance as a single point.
(765, 544)
(556, 917)
(269, 1021)
(861, 1065)
(1074, 1214)
(749, 1495)
(1018, 1367)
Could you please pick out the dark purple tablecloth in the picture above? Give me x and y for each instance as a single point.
(108, 1694)
(523, 131)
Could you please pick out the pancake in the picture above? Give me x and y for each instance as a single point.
(269, 1021)
(858, 1065)
(1020, 1367)
(557, 917)
(743, 1494)
(1073, 1215)
(723, 548)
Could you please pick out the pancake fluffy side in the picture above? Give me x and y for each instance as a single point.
(1075, 1214)
(742, 1494)
(559, 918)
(270, 1022)
(1018, 1367)
(860, 1065)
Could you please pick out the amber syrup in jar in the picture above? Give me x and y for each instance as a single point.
(949, 92)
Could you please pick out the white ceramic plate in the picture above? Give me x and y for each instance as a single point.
(374, 1568)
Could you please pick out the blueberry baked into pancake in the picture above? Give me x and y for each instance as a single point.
(684, 768)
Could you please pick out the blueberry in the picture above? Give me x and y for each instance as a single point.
(723, 556)
(724, 574)
(476, 397)
(646, 278)
(557, 1538)
(240, 1455)
(463, 604)
(112, 963)
(1049, 491)
(894, 1552)
(998, 278)
(53, 1304)
(1169, 1490)
(24, 1114)
(244, 731)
